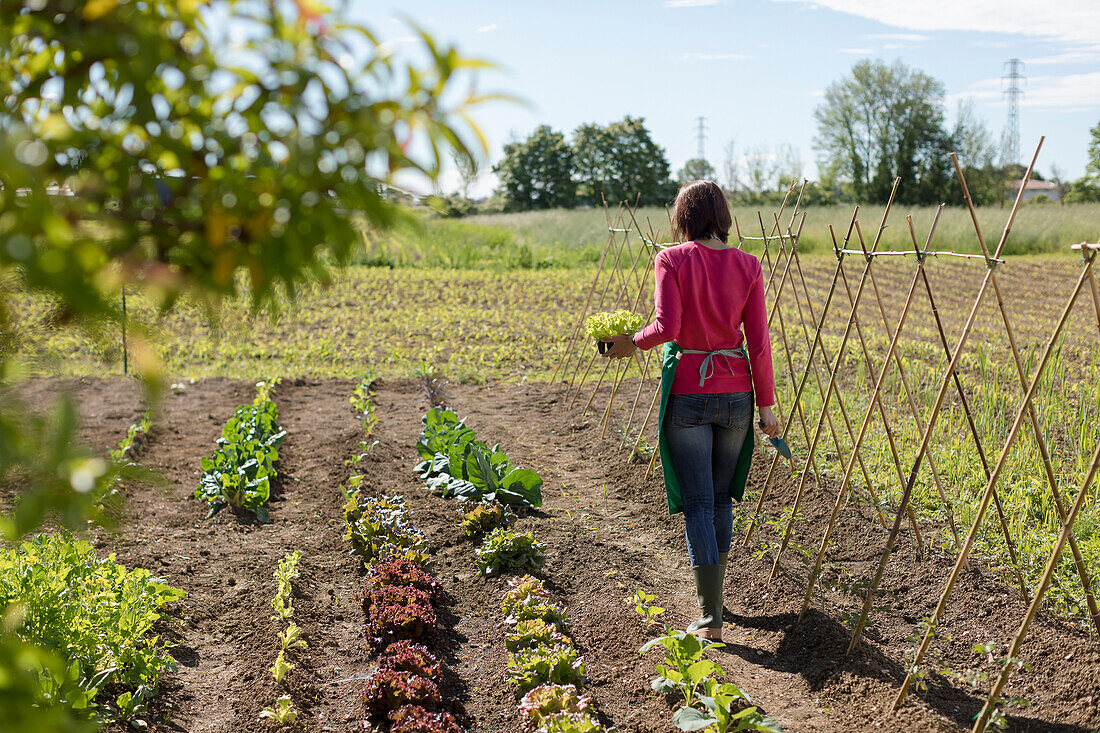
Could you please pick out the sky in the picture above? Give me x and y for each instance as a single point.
(756, 69)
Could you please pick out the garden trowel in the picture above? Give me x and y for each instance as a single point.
(780, 444)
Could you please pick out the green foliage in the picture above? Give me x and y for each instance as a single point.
(696, 169)
(240, 472)
(380, 529)
(535, 632)
(641, 601)
(708, 703)
(457, 464)
(482, 517)
(291, 637)
(282, 713)
(548, 702)
(287, 571)
(537, 173)
(362, 401)
(599, 325)
(904, 136)
(620, 162)
(55, 593)
(529, 668)
(281, 667)
(506, 549)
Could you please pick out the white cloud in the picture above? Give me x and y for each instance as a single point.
(697, 56)
(1071, 21)
(1082, 56)
(689, 3)
(858, 51)
(905, 37)
(487, 28)
(1069, 92)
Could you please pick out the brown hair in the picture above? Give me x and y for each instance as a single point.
(701, 211)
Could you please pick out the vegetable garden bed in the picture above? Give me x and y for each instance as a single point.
(606, 534)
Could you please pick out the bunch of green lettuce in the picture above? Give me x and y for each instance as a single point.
(600, 325)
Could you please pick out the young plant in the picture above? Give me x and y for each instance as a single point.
(684, 668)
(601, 325)
(535, 632)
(529, 668)
(281, 667)
(406, 656)
(642, 601)
(362, 401)
(291, 637)
(96, 614)
(379, 529)
(506, 549)
(547, 701)
(404, 572)
(397, 612)
(482, 517)
(390, 690)
(418, 719)
(240, 472)
(282, 713)
(287, 571)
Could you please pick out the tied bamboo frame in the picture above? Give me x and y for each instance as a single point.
(781, 263)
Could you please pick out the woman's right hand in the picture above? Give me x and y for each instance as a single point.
(771, 423)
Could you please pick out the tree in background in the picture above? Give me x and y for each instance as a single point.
(977, 151)
(620, 162)
(880, 122)
(200, 164)
(730, 167)
(696, 169)
(1087, 188)
(537, 173)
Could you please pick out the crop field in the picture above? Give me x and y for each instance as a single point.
(317, 540)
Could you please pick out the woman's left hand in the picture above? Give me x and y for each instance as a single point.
(623, 347)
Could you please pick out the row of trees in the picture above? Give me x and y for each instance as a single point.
(879, 122)
(615, 162)
(620, 161)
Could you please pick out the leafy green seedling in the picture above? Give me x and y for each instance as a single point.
(282, 713)
(642, 601)
(281, 667)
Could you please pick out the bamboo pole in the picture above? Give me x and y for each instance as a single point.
(603, 297)
(798, 393)
(588, 300)
(1033, 418)
(816, 572)
(987, 495)
(835, 371)
(904, 502)
(620, 294)
(821, 388)
(1017, 641)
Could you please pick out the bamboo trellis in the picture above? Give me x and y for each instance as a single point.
(802, 352)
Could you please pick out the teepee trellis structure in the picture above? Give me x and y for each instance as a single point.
(799, 326)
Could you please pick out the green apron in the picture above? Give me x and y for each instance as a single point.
(672, 484)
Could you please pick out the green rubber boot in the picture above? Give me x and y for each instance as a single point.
(708, 585)
(723, 562)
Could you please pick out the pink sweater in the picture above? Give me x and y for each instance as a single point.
(703, 298)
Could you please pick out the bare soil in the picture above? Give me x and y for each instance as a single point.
(607, 532)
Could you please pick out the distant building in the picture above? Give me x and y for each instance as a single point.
(1053, 191)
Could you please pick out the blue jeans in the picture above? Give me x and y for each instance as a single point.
(705, 433)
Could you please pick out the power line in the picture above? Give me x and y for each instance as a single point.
(1012, 84)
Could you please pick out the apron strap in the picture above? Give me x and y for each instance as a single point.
(706, 369)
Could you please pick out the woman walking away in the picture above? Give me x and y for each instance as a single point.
(711, 315)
